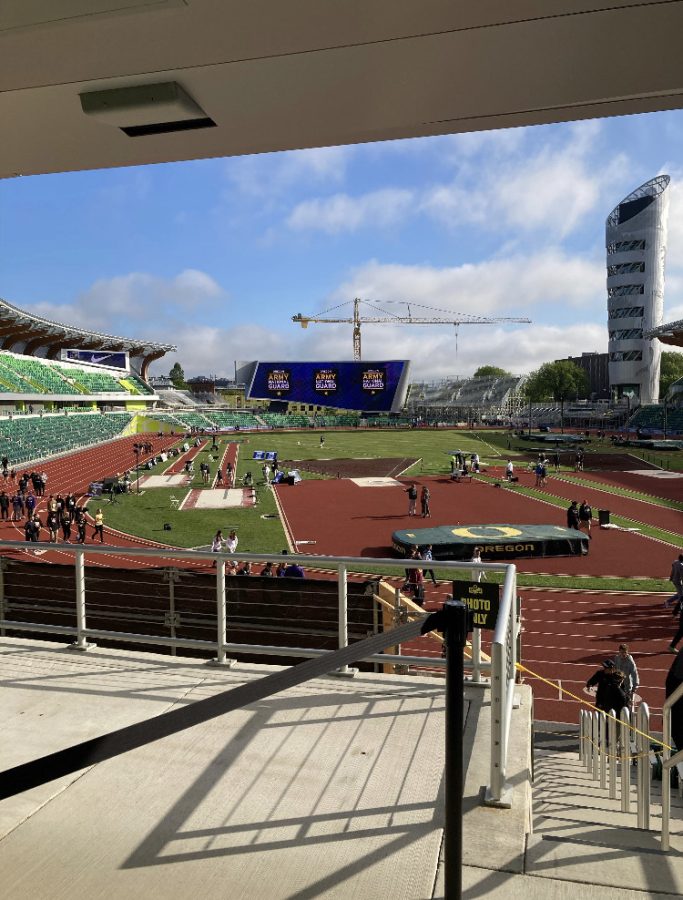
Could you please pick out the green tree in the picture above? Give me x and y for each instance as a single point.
(671, 370)
(491, 372)
(557, 381)
(177, 376)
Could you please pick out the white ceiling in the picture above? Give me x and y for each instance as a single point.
(283, 74)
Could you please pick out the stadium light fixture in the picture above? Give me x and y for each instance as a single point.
(146, 109)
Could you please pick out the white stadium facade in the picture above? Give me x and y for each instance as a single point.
(635, 238)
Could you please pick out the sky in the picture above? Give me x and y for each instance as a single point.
(216, 256)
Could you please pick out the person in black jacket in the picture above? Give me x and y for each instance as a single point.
(609, 694)
(673, 680)
(573, 515)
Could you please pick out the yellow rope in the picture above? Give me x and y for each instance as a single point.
(592, 706)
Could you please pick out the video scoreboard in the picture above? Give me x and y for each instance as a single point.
(371, 386)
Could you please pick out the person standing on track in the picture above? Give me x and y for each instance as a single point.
(412, 499)
(99, 525)
(67, 519)
(52, 526)
(585, 517)
(425, 497)
(81, 523)
(626, 664)
(427, 555)
(573, 515)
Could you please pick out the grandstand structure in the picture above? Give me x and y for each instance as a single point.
(480, 398)
(35, 376)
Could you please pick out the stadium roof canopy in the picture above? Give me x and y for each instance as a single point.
(27, 333)
(668, 334)
(270, 75)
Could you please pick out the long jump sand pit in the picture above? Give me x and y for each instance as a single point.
(164, 481)
(359, 467)
(223, 498)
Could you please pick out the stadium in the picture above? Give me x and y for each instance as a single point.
(224, 637)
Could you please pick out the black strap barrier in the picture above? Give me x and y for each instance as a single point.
(80, 756)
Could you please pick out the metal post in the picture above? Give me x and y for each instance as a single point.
(3, 563)
(666, 777)
(643, 745)
(612, 749)
(476, 656)
(595, 737)
(81, 642)
(603, 750)
(343, 639)
(172, 620)
(136, 448)
(455, 634)
(221, 615)
(588, 744)
(625, 738)
(497, 678)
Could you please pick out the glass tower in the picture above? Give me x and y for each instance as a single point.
(635, 235)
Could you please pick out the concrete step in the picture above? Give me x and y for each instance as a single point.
(604, 854)
(580, 834)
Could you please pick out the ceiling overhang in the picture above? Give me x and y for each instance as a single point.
(278, 76)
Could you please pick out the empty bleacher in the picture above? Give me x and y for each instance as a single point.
(39, 376)
(654, 418)
(34, 437)
(92, 382)
(285, 420)
(31, 375)
(340, 421)
(233, 419)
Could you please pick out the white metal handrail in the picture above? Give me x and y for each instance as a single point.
(503, 649)
(503, 675)
(598, 751)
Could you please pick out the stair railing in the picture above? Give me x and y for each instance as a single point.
(605, 751)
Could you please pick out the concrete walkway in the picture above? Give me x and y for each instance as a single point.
(331, 789)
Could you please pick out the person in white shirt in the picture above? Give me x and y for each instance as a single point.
(509, 470)
(232, 541)
(217, 543)
(477, 574)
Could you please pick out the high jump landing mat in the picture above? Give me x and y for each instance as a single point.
(496, 541)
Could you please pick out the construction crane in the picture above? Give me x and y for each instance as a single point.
(387, 318)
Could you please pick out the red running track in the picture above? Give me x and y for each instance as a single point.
(345, 519)
(567, 634)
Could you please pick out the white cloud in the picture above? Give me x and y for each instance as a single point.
(136, 300)
(341, 213)
(270, 174)
(552, 191)
(500, 184)
(495, 287)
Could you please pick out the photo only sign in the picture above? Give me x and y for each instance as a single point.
(482, 600)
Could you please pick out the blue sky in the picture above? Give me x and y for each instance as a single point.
(217, 255)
